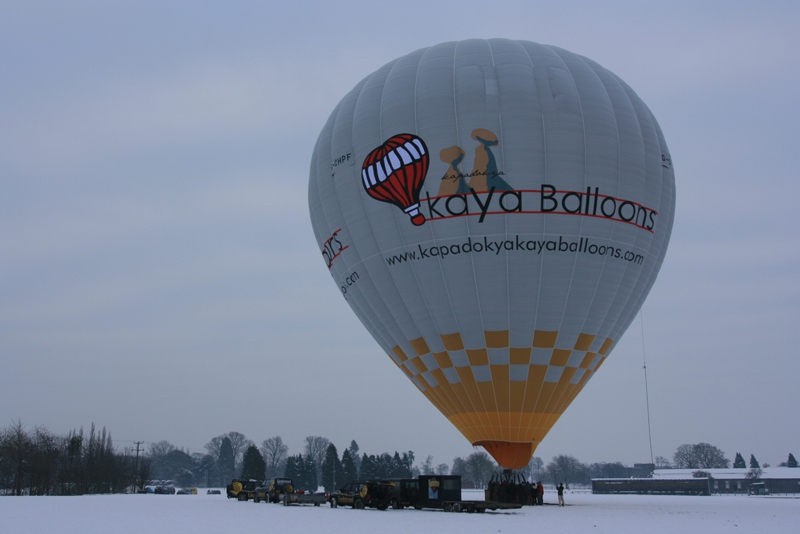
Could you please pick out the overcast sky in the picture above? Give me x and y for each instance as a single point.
(159, 275)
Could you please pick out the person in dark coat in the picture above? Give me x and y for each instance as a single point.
(560, 489)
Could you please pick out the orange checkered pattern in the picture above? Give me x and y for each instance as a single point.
(504, 398)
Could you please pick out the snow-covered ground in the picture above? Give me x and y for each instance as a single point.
(200, 514)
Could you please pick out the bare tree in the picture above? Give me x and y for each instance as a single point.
(162, 448)
(567, 469)
(700, 455)
(16, 445)
(684, 457)
(44, 461)
(274, 452)
(315, 451)
(479, 468)
(427, 466)
(710, 457)
(459, 466)
(213, 446)
(442, 469)
(663, 463)
(535, 469)
(239, 444)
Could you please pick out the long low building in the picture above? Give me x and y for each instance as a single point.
(766, 481)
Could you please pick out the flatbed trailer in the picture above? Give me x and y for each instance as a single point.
(477, 506)
(316, 499)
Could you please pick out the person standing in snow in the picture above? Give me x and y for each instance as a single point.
(560, 489)
(539, 493)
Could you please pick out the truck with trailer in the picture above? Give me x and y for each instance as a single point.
(442, 492)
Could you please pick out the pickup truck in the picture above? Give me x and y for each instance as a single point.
(272, 490)
(241, 489)
(368, 494)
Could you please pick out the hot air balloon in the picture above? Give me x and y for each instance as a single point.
(499, 275)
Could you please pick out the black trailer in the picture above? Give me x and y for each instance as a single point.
(441, 492)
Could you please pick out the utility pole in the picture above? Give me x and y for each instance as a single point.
(136, 478)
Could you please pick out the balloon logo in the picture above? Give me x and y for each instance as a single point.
(527, 260)
(394, 173)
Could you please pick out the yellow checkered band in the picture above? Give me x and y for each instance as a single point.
(499, 393)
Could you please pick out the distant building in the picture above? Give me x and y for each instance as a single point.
(770, 480)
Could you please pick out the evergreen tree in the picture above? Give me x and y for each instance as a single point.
(754, 463)
(369, 471)
(225, 460)
(349, 471)
(309, 470)
(292, 470)
(253, 465)
(738, 462)
(397, 467)
(332, 474)
(356, 458)
(406, 464)
(791, 462)
(385, 466)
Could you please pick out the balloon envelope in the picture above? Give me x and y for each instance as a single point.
(495, 213)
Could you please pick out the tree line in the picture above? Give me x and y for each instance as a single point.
(42, 463)
(38, 462)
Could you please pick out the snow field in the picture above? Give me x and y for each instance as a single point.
(201, 514)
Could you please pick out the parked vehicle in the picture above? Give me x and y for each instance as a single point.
(442, 492)
(272, 490)
(363, 494)
(242, 490)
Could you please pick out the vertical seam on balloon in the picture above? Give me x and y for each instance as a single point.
(647, 279)
(432, 234)
(473, 408)
(475, 279)
(544, 227)
(381, 331)
(469, 233)
(505, 222)
(472, 260)
(605, 327)
(580, 221)
(539, 399)
(414, 319)
(405, 337)
(616, 326)
(619, 175)
(430, 227)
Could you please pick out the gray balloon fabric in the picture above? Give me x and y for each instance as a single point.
(495, 212)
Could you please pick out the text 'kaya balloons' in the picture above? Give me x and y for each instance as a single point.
(495, 212)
